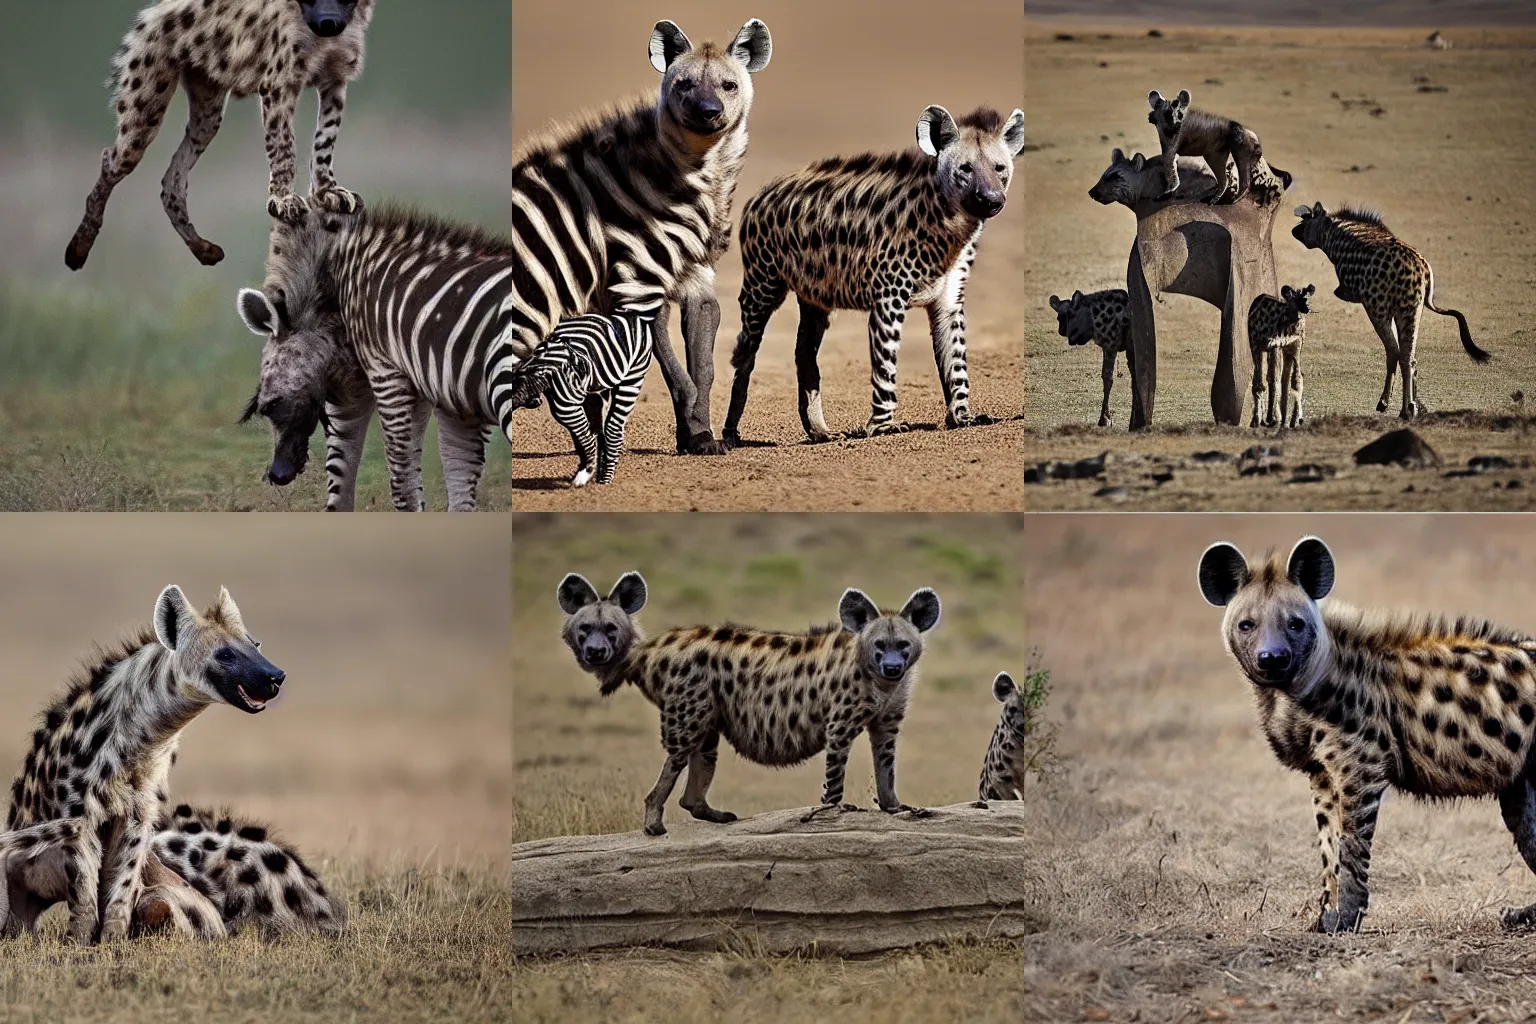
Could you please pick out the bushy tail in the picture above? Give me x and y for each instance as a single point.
(1477, 354)
(38, 839)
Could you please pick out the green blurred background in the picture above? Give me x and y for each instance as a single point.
(120, 385)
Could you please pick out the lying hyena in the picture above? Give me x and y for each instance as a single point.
(777, 698)
(1358, 701)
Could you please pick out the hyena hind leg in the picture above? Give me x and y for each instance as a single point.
(1517, 802)
(205, 113)
(701, 772)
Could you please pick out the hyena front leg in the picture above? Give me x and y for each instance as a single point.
(840, 737)
(885, 323)
(124, 868)
(328, 195)
(1518, 804)
(1105, 418)
(205, 113)
(1258, 386)
(882, 743)
(762, 293)
(1358, 801)
(1171, 168)
(701, 772)
(1271, 368)
(946, 323)
(277, 109)
(82, 872)
(1325, 805)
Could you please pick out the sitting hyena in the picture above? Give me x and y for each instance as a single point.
(1002, 770)
(881, 233)
(1390, 278)
(95, 781)
(1359, 701)
(274, 48)
(1102, 317)
(1183, 130)
(1276, 329)
(777, 698)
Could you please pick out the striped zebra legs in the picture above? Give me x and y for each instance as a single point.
(570, 411)
(885, 323)
(344, 439)
(462, 446)
(624, 398)
(403, 415)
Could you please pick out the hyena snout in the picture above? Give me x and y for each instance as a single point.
(1275, 661)
(596, 650)
(327, 18)
(985, 203)
(245, 679)
(892, 663)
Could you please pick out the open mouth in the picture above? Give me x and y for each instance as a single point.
(250, 702)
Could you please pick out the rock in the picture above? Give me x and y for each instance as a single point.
(1034, 474)
(1402, 447)
(1210, 457)
(1264, 467)
(1112, 493)
(1313, 473)
(1161, 476)
(850, 885)
(1488, 463)
(1082, 469)
(1261, 451)
(1155, 33)
(1513, 485)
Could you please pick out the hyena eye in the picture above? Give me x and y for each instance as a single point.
(224, 656)
(728, 86)
(611, 630)
(966, 168)
(1246, 626)
(1295, 624)
(999, 168)
(684, 84)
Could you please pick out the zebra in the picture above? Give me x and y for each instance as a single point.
(629, 208)
(392, 309)
(584, 358)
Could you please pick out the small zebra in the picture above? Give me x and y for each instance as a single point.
(585, 358)
(1276, 328)
(1104, 318)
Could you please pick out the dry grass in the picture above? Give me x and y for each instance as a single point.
(584, 765)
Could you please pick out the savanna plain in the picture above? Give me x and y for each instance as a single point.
(584, 763)
(384, 761)
(1437, 141)
(1178, 867)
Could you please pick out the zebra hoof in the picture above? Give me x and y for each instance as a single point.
(582, 478)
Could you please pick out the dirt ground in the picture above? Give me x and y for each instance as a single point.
(1179, 865)
(1446, 161)
(584, 764)
(837, 83)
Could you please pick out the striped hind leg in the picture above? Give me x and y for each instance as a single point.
(568, 406)
(403, 416)
(885, 323)
(624, 398)
(345, 438)
(462, 448)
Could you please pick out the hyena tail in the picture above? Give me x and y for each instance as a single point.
(1477, 354)
(36, 840)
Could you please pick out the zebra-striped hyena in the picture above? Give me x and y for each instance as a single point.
(95, 782)
(411, 305)
(1359, 701)
(1276, 329)
(1104, 318)
(215, 48)
(1390, 278)
(880, 233)
(1002, 770)
(1183, 130)
(777, 698)
(629, 209)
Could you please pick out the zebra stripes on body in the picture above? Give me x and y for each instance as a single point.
(584, 358)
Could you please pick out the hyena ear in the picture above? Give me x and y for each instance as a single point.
(258, 312)
(1056, 303)
(1286, 291)
(629, 593)
(1154, 98)
(752, 46)
(575, 593)
(667, 44)
(1002, 687)
(1223, 571)
(1077, 296)
(1311, 567)
(174, 618)
(1183, 98)
(1318, 211)
(229, 612)
(936, 129)
(1309, 290)
(1117, 155)
(1138, 162)
(1013, 132)
(922, 609)
(855, 610)
(1303, 212)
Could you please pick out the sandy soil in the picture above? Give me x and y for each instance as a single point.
(1178, 858)
(837, 84)
(1448, 169)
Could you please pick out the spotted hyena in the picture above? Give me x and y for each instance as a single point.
(1183, 130)
(1104, 318)
(1003, 768)
(1359, 701)
(777, 698)
(1276, 329)
(215, 48)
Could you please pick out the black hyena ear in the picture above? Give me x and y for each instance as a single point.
(629, 593)
(258, 312)
(752, 46)
(1117, 155)
(1183, 98)
(1138, 162)
(667, 44)
(1003, 687)
(936, 129)
(1309, 290)
(922, 609)
(1286, 291)
(1311, 567)
(1154, 98)
(1077, 296)
(1223, 571)
(1056, 303)
(855, 610)
(1318, 210)
(1013, 132)
(575, 593)
(174, 617)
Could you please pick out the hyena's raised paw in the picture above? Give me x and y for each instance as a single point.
(829, 810)
(290, 209)
(1518, 919)
(335, 199)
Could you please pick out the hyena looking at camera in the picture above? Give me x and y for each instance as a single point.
(1276, 329)
(880, 233)
(777, 698)
(1359, 701)
(1183, 130)
(1104, 318)
(274, 48)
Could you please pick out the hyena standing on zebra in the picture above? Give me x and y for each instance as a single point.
(1390, 278)
(880, 233)
(629, 209)
(1276, 329)
(273, 49)
(777, 698)
(1104, 318)
(1360, 701)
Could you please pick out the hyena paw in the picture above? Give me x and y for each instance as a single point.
(290, 209)
(829, 810)
(1106, 420)
(955, 421)
(655, 829)
(335, 199)
(823, 436)
(981, 805)
(916, 812)
(1334, 921)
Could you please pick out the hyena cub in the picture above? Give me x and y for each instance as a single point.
(1183, 130)
(1002, 770)
(1102, 317)
(777, 698)
(1276, 329)
(274, 48)
(1361, 700)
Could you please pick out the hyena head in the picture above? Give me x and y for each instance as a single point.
(212, 655)
(1167, 115)
(1299, 300)
(600, 631)
(327, 18)
(1313, 226)
(889, 642)
(1074, 320)
(707, 91)
(975, 156)
(1273, 626)
(1127, 180)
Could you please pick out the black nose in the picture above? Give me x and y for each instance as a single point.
(709, 109)
(1273, 662)
(281, 472)
(327, 27)
(991, 203)
(276, 677)
(596, 655)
